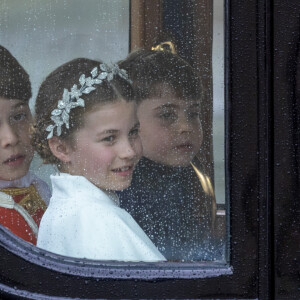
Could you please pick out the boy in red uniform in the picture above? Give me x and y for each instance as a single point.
(23, 196)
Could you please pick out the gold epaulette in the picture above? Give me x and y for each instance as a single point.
(31, 200)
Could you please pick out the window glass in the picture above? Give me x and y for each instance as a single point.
(181, 208)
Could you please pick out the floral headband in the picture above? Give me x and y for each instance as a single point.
(60, 115)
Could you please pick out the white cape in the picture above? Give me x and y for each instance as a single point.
(82, 221)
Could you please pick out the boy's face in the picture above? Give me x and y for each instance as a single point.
(108, 147)
(171, 130)
(16, 151)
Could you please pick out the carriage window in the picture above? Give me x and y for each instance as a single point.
(175, 193)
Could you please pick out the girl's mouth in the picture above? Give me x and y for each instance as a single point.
(14, 160)
(123, 171)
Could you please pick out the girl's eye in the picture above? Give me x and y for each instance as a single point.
(134, 132)
(109, 139)
(19, 117)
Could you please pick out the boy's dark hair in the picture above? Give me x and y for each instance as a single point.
(14, 80)
(150, 70)
(51, 91)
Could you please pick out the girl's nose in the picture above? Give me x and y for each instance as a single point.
(127, 150)
(8, 136)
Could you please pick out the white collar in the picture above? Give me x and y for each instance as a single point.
(24, 181)
(78, 187)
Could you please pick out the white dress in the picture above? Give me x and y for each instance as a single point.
(84, 222)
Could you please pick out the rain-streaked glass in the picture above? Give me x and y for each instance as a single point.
(42, 35)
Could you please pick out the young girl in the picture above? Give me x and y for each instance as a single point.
(173, 204)
(86, 124)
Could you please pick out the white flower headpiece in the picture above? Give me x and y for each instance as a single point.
(72, 99)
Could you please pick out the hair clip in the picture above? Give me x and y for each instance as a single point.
(166, 47)
(70, 100)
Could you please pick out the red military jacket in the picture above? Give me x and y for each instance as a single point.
(21, 210)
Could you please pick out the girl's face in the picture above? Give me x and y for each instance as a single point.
(108, 147)
(171, 131)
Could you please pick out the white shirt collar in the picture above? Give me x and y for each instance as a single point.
(24, 181)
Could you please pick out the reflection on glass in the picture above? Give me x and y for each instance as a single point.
(171, 197)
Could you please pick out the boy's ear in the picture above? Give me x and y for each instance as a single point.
(60, 149)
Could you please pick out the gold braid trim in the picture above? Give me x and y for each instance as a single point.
(32, 201)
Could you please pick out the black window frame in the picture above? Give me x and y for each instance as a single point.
(251, 173)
